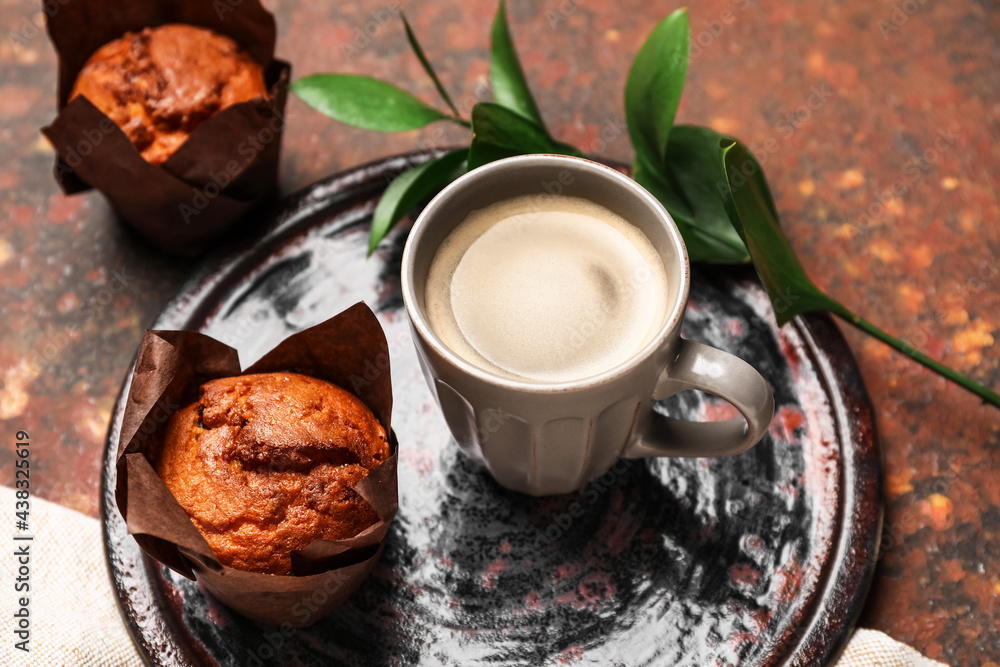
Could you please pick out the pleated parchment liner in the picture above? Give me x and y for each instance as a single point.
(229, 163)
(170, 368)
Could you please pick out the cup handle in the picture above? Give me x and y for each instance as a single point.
(699, 366)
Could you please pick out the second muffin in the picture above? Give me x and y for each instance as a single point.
(264, 464)
(159, 84)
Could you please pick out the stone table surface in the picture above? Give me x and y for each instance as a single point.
(878, 124)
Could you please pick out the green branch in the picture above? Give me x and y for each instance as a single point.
(979, 390)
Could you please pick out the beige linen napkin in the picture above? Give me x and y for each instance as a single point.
(75, 619)
(73, 614)
(871, 648)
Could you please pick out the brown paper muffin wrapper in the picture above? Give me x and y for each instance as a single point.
(349, 350)
(229, 163)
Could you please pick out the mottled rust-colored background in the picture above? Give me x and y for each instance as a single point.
(878, 124)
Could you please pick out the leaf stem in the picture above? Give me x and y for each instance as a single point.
(412, 38)
(979, 390)
(460, 121)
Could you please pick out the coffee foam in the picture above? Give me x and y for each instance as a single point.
(546, 289)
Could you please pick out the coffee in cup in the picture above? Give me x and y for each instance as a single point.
(546, 288)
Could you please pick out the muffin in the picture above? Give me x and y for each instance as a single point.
(159, 84)
(264, 464)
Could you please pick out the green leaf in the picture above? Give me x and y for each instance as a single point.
(654, 87)
(688, 185)
(427, 65)
(412, 187)
(509, 86)
(702, 246)
(365, 102)
(655, 179)
(498, 132)
(692, 167)
(683, 177)
(751, 207)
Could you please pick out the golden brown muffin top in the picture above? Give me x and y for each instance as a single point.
(265, 464)
(159, 84)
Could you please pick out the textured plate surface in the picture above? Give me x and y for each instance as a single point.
(759, 559)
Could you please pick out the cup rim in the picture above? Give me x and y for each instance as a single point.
(419, 320)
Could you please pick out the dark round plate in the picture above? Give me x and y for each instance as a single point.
(759, 559)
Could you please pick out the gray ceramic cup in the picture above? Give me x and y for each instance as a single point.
(545, 439)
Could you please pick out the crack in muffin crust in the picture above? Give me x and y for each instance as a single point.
(264, 464)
